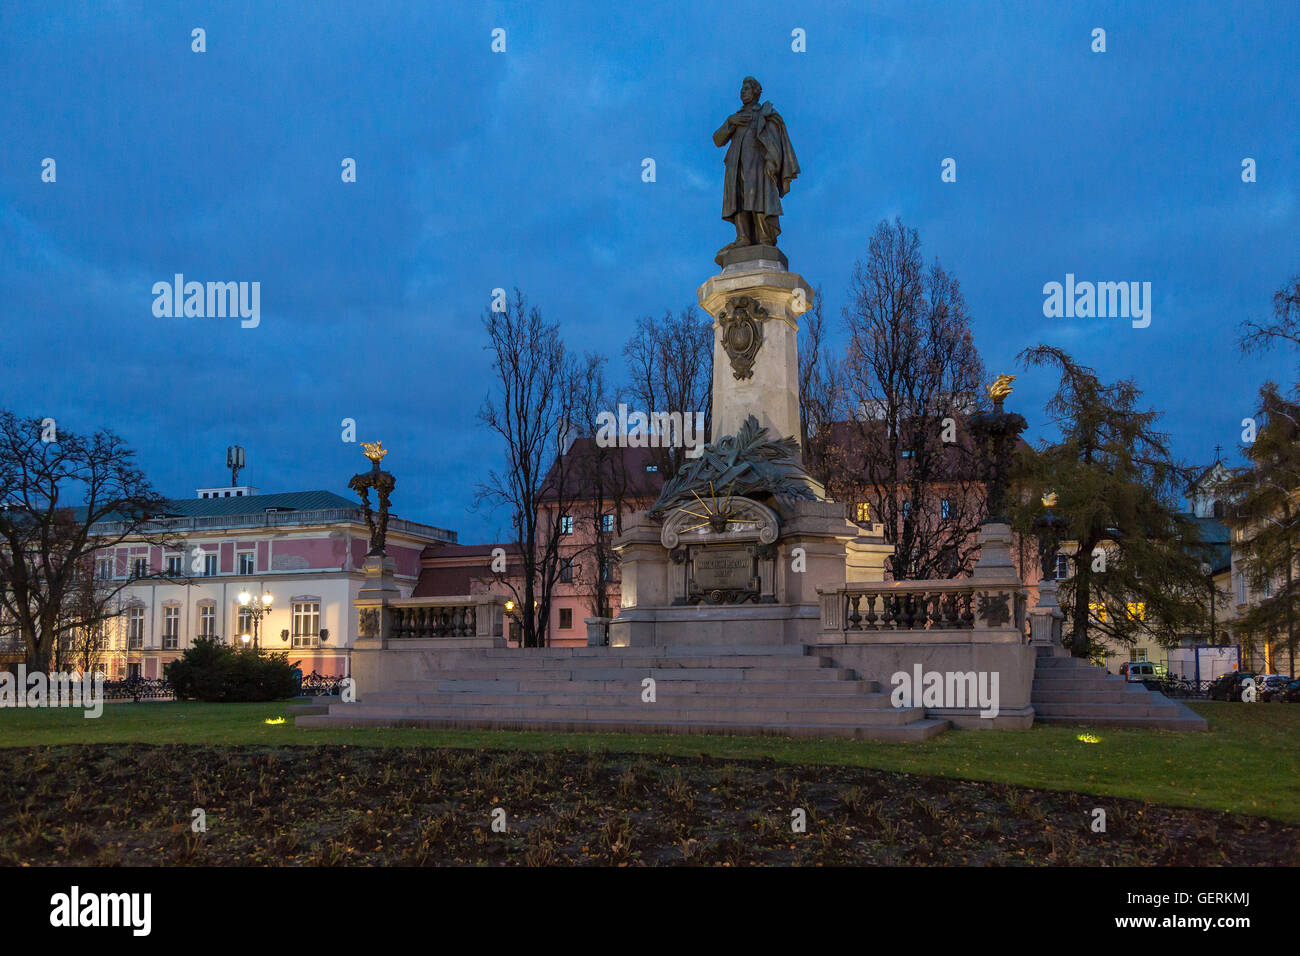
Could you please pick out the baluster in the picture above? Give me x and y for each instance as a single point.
(471, 623)
(457, 622)
(871, 612)
(854, 618)
(968, 608)
(909, 611)
(887, 611)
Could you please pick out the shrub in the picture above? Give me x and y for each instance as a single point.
(212, 671)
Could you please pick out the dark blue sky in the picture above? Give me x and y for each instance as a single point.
(478, 170)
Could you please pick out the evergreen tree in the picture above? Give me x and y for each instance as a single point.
(1264, 516)
(1134, 569)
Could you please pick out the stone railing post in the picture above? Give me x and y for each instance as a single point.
(374, 614)
(597, 631)
(1045, 619)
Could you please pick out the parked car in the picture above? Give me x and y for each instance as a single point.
(1229, 686)
(1280, 688)
(1139, 671)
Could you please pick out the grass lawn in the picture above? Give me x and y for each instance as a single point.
(1248, 762)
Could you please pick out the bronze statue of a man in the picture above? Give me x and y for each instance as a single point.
(760, 165)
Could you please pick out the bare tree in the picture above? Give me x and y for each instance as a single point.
(603, 485)
(670, 369)
(821, 396)
(1285, 325)
(532, 409)
(910, 377)
(64, 500)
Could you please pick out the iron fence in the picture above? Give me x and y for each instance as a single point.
(320, 685)
(139, 688)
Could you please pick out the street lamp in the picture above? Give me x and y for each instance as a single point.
(256, 609)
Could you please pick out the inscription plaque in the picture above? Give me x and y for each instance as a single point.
(722, 575)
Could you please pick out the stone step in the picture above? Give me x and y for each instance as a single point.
(1081, 709)
(777, 713)
(1061, 681)
(1067, 663)
(632, 697)
(1103, 694)
(642, 662)
(564, 672)
(528, 684)
(657, 650)
(915, 731)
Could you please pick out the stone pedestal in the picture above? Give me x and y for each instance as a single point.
(373, 599)
(813, 544)
(755, 305)
(597, 631)
(995, 565)
(1045, 621)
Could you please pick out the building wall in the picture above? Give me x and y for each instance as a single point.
(315, 564)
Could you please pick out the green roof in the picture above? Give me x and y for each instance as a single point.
(258, 504)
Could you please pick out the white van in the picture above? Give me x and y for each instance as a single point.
(1140, 671)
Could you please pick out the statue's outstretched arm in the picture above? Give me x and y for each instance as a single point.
(723, 133)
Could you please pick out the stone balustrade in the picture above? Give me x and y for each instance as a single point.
(460, 620)
(953, 606)
(434, 620)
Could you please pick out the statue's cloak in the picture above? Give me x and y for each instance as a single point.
(762, 142)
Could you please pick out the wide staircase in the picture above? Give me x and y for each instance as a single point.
(1068, 690)
(698, 689)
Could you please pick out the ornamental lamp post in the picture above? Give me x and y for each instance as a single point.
(256, 609)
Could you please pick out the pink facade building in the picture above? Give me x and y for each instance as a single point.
(304, 550)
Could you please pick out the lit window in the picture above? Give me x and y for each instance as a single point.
(135, 628)
(566, 524)
(1136, 654)
(306, 624)
(171, 628)
(1097, 611)
(606, 522)
(243, 624)
(863, 510)
(1137, 610)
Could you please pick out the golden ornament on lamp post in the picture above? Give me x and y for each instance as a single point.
(383, 483)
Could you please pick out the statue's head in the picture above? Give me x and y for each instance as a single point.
(750, 90)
